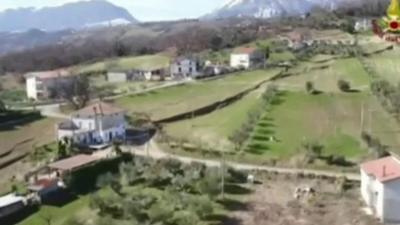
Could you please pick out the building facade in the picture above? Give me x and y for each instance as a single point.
(96, 124)
(380, 188)
(43, 85)
(247, 58)
(185, 67)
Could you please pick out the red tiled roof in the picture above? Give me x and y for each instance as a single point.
(384, 169)
(50, 74)
(99, 108)
(245, 50)
(73, 163)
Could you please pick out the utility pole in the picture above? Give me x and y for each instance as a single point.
(362, 118)
(223, 175)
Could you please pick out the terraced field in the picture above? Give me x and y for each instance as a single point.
(126, 63)
(326, 75)
(175, 100)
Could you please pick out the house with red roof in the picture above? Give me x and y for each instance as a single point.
(247, 57)
(95, 125)
(43, 85)
(380, 188)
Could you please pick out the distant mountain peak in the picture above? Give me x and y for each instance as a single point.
(75, 15)
(271, 8)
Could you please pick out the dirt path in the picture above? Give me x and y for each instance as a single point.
(154, 151)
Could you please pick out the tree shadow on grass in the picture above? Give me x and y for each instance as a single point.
(233, 205)
(220, 219)
(257, 148)
(236, 189)
(265, 124)
(8, 125)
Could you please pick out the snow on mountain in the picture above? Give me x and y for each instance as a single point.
(270, 8)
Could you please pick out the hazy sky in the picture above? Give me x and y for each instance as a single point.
(144, 10)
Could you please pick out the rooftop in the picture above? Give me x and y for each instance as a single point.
(384, 169)
(10, 199)
(100, 108)
(49, 74)
(245, 50)
(73, 163)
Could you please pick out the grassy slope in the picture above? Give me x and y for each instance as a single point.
(217, 126)
(326, 79)
(126, 63)
(386, 64)
(171, 101)
(331, 120)
(59, 215)
(42, 131)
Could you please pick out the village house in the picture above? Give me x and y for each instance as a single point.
(247, 58)
(363, 25)
(10, 204)
(43, 85)
(380, 188)
(115, 76)
(297, 39)
(97, 124)
(185, 67)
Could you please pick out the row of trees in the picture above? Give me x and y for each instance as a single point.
(175, 193)
(388, 95)
(241, 135)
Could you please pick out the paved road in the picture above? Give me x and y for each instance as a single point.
(153, 151)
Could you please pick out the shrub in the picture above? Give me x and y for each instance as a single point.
(310, 87)
(344, 86)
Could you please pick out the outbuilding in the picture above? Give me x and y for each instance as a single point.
(380, 188)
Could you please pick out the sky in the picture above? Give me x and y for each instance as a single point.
(144, 10)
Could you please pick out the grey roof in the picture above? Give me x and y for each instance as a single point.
(68, 125)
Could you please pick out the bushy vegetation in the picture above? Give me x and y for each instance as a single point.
(147, 191)
(388, 95)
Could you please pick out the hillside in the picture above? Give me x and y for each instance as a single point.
(75, 15)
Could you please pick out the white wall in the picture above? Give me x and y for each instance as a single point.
(373, 194)
(240, 60)
(31, 88)
(115, 77)
(391, 212)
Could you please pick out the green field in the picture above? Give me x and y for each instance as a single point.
(331, 120)
(127, 63)
(325, 79)
(386, 65)
(171, 101)
(60, 215)
(215, 128)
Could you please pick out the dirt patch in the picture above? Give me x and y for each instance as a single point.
(273, 202)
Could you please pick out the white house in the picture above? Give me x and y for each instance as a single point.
(97, 124)
(363, 25)
(185, 67)
(42, 85)
(247, 58)
(380, 188)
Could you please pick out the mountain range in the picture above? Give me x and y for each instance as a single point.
(273, 8)
(74, 15)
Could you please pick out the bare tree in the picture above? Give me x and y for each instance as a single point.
(76, 92)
